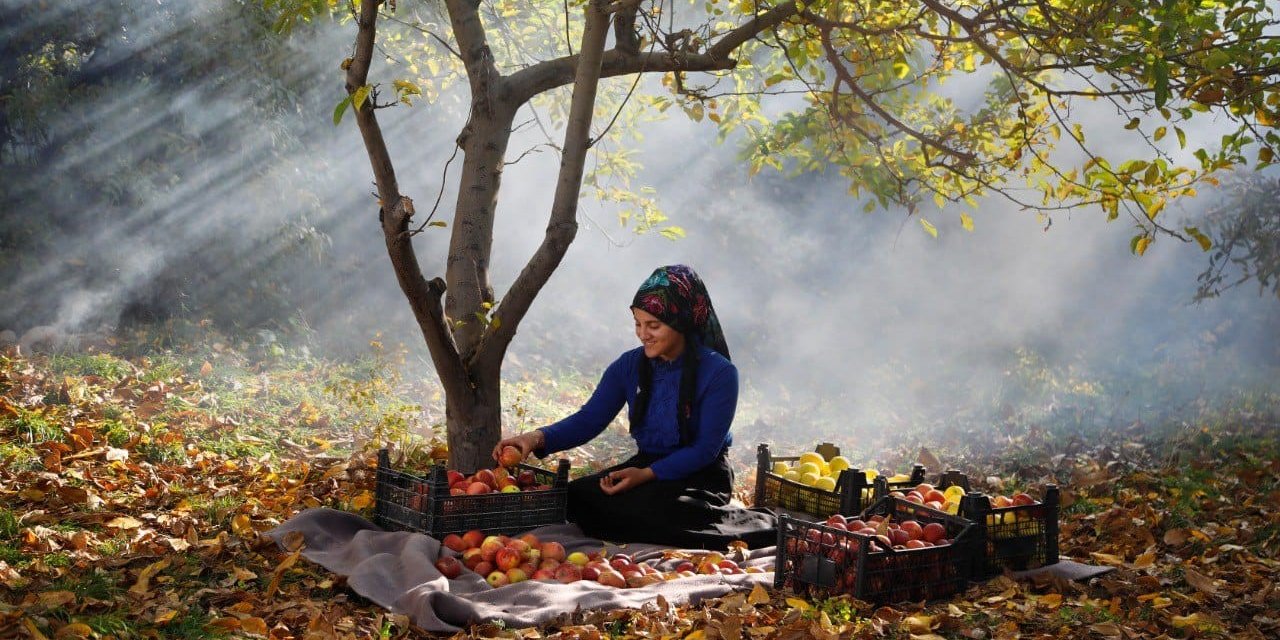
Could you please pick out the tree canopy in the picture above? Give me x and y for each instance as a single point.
(929, 105)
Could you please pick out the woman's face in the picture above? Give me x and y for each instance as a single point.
(659, 340)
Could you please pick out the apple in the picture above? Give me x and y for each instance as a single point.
(835, 519)
(455, 542)
(589, 572)
(454, 476)
(579, 558)
(685, 566)
(498, 579)
(549, 564)
(619, 562)
(457, 491)
(516, 574)
(473, 538)
(507, 559)
(567, 573)
(449, 567)
(471, 558)
(485, 476)
(933, 532)
(553, 551)
(485, 568)
(478, 488)
(489, 548)
(1022, 499)
(510, 456)
(913, 529)
(543, 574)
(611, 578)
(520, 546)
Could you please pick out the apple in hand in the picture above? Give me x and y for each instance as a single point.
(510, 456)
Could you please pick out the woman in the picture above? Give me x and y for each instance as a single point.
(681, 391)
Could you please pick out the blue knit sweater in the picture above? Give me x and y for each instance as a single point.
(714, 403)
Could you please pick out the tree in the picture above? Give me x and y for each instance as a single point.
(1246, 233)
(870, 75)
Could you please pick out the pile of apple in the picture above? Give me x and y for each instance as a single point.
(947, 500)
(1010, 517)
(502, 478)
(813, 470)
(906, 534)
(503, 560)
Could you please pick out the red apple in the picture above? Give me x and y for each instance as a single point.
(485, 476)
(589, 572)
(567, 573)
(526, 478)
(471, 558)
(507, 558)
(485, 568)
(449, 566)
(553, 551)
(1022, 499)
(510, 456)
(489, 548)
(548, 563)
(620, 562)
(685, 566)
(455, 542)
(478, 488)
(611, 578)
(473, 538)
(543, 574)
(933, 532)
(454, 476)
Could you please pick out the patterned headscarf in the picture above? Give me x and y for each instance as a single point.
(676, 295)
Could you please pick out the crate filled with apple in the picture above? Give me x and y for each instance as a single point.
(509, 498)
(1017, 532)
(894, 551)
(502, 560)
(822, 482)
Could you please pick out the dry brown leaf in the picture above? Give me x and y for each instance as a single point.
(1051, 600)
(1107, 558)
(254, 626)
(919, 624)
(1107, 630)
(279, 572)
(758, 595)
(1176, 537)
(123, 522)
(929, 460)
(1201, 582)
(206, 369)
(164, 615)
(53, 599)
(33, 630)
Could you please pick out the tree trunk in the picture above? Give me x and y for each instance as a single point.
(474, 422)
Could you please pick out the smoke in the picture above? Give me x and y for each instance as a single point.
(212, 189)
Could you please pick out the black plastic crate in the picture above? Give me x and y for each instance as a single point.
(821, 561)
(1013, 538)
(409, 502)
(852, 493)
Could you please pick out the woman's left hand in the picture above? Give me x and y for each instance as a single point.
(621, 480)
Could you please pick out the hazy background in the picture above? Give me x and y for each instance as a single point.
(207, 180)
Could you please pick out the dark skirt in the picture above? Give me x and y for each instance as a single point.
(691, 513)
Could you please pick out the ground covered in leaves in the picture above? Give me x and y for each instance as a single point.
(133, 492)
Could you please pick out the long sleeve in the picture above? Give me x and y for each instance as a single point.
(711, 431)
(603, 406)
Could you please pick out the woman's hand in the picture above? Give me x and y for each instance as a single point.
(525, 442)
(621, 480)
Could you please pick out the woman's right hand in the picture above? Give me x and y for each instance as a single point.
(525, 442)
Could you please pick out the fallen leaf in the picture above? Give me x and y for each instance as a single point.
(123, 522)
(279, 572)
(929, 460)
(1051, 600)
(114, 454)
(164, 615)
(1107, 629)
(206, 369)
(1107, 558)
(1201, 582)
(363, 501)
(75, 630)
(54, 599)
(241, 526)
(33, 630)
(797, 603)
(143, 584)
(919, 624)
(758, 595)
(254, 626)
(1176, 537)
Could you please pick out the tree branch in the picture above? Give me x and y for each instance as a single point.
(563, 225)
(423, 296)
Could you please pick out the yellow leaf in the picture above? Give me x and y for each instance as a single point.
(697, 635)
(33, 629)
(1051, 600)
(928, 227)
(966, 221)
(919, 624)
(363, 501)
(206, 369)
(75, 630)
(1140, 248)
(1107, 558)
(758, 595)
(797, 603)
(1143, 561)
(334, 471)
(1155, 208)
(143, 585)
(52, 599)
(240, 525)
(164, 615)
(279, 572)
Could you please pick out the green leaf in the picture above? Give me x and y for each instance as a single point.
(1138, 245)
(1160, 131)
(1160, 71)
(928, 227)
(1133, 124)
(437, 223)
(1182, 137)
(340, 109)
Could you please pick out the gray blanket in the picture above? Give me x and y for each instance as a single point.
(397, 570)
